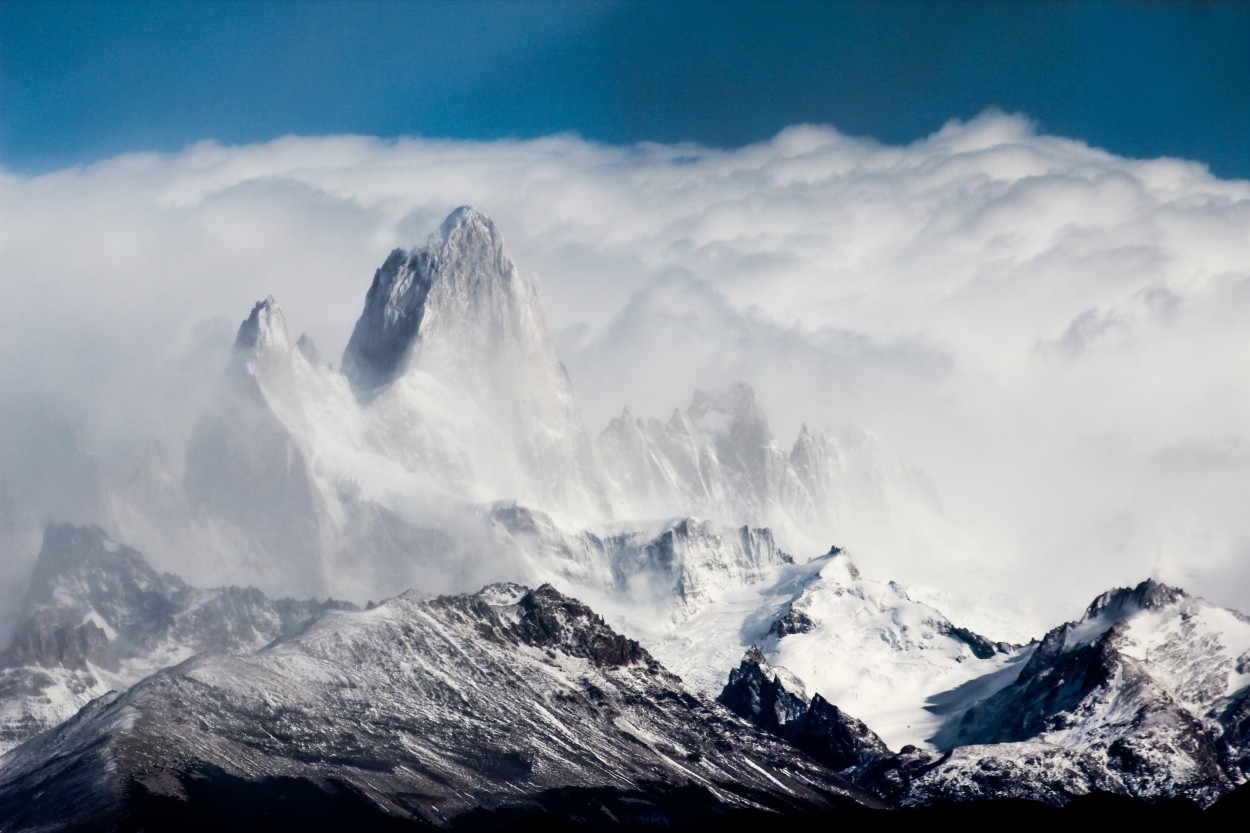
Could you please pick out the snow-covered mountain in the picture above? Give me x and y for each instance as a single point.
(1145, 696)
(454, 357)
(1150, 683)
(862, 644)
(452, 398)
(664, 571)
(97, 617)
(509, 700)
(448, 453)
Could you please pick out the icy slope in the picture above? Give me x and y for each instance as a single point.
(422, 710)
(866, 647)
(98, 617)
(863, 645)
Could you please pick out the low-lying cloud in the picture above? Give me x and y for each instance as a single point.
(1055, 334)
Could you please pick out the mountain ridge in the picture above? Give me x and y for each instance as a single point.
(428, 709)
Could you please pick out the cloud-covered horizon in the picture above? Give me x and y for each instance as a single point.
(1053, 333)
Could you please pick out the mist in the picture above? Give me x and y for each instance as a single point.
(1054, 334)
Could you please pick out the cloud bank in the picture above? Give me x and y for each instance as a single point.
(1056, 335)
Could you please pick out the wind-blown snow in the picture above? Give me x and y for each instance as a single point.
(1053, 333)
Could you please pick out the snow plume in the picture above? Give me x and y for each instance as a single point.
(1054, 334)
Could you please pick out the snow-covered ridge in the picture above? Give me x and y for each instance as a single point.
(1151, 700)
(865, 646)
(670, 569)
(1150, 682)
(426, 709)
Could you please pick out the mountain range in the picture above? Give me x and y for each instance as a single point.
(445, 467)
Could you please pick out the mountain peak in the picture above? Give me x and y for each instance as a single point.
(1123, 601)
(264, 328)
(464, 221)
(466, 257)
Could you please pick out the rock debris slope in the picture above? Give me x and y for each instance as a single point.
(511, 700)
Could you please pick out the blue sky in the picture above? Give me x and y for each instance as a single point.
(80, 81)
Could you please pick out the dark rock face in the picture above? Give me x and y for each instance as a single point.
(982, 648)
(792, 621)
(1149, 595)
(394, 308)
(819, 728)
(1235, 742)
(80, 571)
(891, 777)
(835, 738)
(49, 641)
(549, 618)
(755, 694)
(442, 712)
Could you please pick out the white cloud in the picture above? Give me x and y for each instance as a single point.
(1054, 333)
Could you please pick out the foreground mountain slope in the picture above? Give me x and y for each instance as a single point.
(422, 710)
(1150, 682)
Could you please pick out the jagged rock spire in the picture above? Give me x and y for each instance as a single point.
(466, 255)
(264, 328)
(455, 316)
